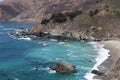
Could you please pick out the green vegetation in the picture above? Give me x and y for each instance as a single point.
(93, 13)
(58, 18)
(116, 12)
(45, 21)
(98, 1)
(62, 18)
(72, 15)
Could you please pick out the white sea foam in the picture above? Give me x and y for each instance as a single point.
(50, 71)
(44, 44)
(103, 54)
(24, 38)
(61, 43)
(54, 40)
(59, 59)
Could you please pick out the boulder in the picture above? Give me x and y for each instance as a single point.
(97, 72)
(64, 68)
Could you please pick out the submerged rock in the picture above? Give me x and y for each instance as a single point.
(64, 68)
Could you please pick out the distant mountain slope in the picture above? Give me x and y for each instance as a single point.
(38, 9)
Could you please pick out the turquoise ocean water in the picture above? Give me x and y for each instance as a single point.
(19, 57)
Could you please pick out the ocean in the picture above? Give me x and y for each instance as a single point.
(20, 56)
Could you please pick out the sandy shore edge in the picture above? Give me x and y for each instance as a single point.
(107, 65)
(114, 47)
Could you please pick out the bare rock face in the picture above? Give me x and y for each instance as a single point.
(64, 68)
(37, 28)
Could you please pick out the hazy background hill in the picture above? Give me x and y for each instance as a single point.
(37, 9)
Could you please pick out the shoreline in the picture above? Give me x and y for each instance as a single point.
(109, 64)
(101, 57)
(114, 47)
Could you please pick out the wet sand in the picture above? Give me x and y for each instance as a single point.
(114, 47)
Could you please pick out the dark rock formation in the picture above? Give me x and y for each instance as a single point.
(97, 72)
(64, 68)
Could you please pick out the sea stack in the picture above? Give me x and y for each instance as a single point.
(64, 68)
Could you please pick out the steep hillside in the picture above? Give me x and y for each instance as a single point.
(99, 19)
(39, 9)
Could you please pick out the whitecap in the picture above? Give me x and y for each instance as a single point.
(59, 59)
(44, 44)
(62, 43)
(54, 40)
(103, 54)
(50, 71)
(25, 38)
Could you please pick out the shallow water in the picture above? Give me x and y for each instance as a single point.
(19, 57)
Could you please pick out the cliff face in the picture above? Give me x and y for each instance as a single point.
(37, 9)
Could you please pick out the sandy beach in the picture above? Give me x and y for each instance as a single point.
(109, 66)
(114, 47)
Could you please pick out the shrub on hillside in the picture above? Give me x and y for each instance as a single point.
(45, 21)
(58, 17)
(93, 13)
(74, 14)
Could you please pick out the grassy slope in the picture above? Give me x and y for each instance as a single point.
(106, 23)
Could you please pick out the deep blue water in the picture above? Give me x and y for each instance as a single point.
(18, 58)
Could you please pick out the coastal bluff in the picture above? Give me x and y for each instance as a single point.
(114, 72)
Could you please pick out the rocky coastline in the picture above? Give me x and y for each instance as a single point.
(59, 34)
(38, 32)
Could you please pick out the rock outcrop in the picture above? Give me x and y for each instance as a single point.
(37, 28)
(64, 68)
(97, 72)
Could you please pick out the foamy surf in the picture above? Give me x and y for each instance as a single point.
(25, 38)
(62, 43)
(103, 54)
(50, 71)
